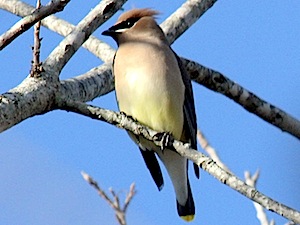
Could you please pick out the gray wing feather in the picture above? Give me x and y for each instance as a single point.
(190, 122)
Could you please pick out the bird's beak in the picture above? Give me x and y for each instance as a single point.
(112, 31)
(108, 32)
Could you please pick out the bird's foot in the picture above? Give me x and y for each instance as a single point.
(165, 139)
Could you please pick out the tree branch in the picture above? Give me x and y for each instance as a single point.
(184, 17)
(250, 180)
(34, 96)
(217, 82)
(120, 211)
(210, 150)
(67, 48)
(28, 21)
(37, 95)
(97, 47)
(36, 67)
(260, 213)
(206, 163)
(96, 82)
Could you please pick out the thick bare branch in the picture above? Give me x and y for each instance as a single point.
(97, 82)
(66, 49)
(218, 82)
(206, 163)
(37, 95)
(28, 21)
(34, 96)
(184, 17)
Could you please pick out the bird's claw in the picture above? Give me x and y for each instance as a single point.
(164, 138)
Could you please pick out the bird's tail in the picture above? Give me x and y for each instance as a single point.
(177, 166)
(187, 211)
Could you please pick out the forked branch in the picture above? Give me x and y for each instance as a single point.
(114, 202)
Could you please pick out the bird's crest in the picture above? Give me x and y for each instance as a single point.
(137, 14)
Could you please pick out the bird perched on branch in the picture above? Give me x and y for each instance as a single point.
(153, 87)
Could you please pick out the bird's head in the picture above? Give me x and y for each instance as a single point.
(135, 25)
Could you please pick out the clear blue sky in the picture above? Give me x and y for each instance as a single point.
(255, 43)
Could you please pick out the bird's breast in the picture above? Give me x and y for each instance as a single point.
(149, 87)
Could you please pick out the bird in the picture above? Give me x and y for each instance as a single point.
(153, 87)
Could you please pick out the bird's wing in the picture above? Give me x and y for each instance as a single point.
(154, 168)
(190, 122)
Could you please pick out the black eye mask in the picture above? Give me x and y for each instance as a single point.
(124, 25)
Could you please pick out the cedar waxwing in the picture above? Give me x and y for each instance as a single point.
(153, 87)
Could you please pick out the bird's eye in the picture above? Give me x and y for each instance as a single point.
(130, 22)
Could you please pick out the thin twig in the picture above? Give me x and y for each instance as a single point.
(250, 180)
(116, 198)
(206, 163)
(36, 67)
(210, 150)
(129, 196)
(120, 211)
(28, 21)
(260, 212)
(93, 183)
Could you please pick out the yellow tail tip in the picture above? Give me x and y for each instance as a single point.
(188, 218)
